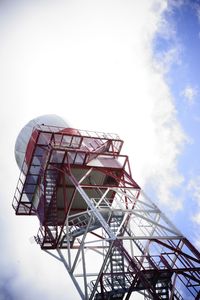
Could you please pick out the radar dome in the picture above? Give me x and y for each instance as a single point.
(27, 131)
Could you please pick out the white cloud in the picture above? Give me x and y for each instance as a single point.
(197, 10)
(166, 59)
(194, 187)
(92, 63)
(189, 93)
(196, 218)
(171, 54)
(196, 7)
(176, 3)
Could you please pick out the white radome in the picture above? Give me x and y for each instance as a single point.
(25, 134)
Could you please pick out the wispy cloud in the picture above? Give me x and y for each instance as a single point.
(194, 188)
(176, 3)
(189, 94)
(167, 58)
(196, 218)
(171, 53)
(196, 7)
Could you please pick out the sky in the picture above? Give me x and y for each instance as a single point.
(128, 67)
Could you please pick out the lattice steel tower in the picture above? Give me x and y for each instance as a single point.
(113, 240)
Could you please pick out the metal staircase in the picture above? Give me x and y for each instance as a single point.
(51, 177)
(116, 258)
(114, 282)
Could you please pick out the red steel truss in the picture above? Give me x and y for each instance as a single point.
(90, 209)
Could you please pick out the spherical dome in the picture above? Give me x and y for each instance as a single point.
(26, 132)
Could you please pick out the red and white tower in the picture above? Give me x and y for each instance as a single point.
(113, 240)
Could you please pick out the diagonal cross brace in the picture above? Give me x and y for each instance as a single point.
(93, 208)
